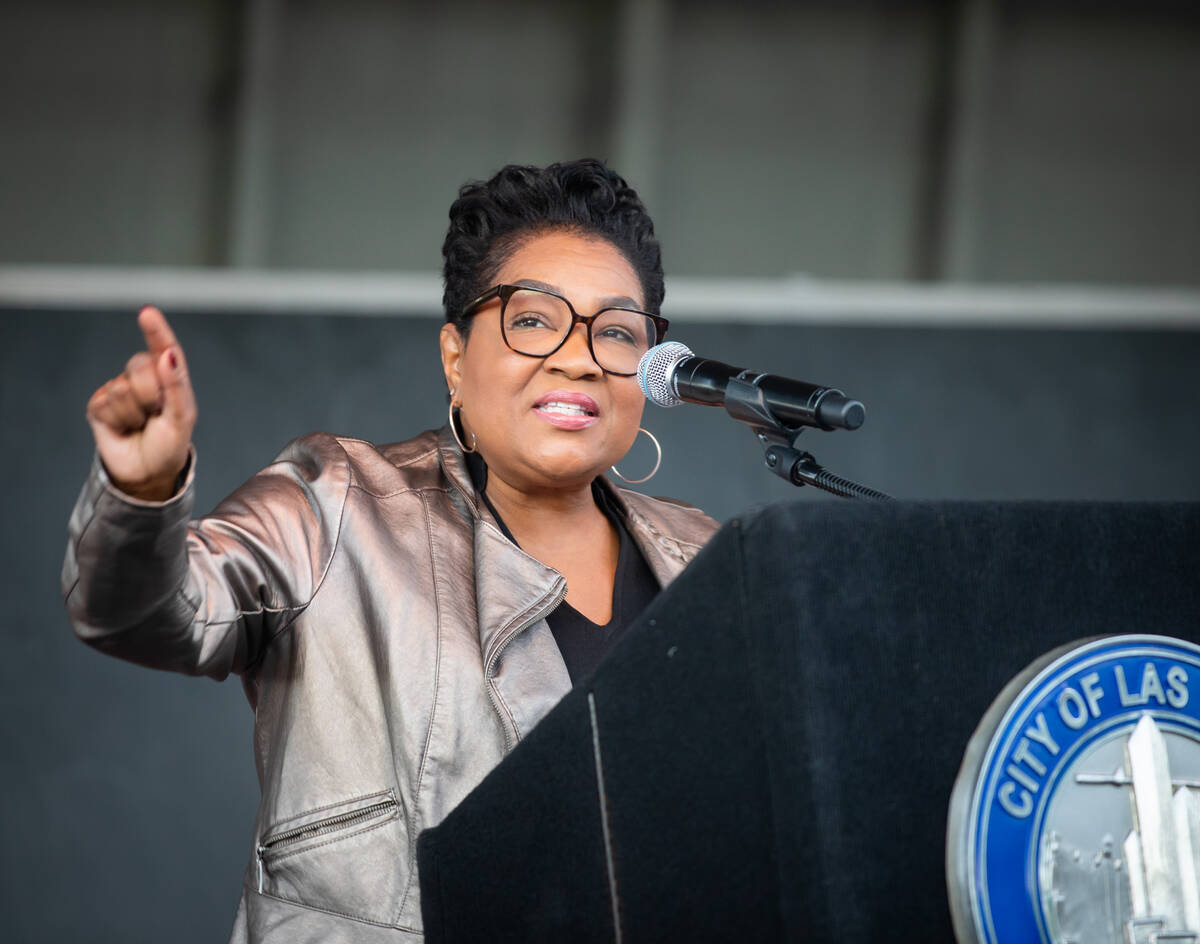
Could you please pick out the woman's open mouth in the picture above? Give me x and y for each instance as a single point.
(567, 410)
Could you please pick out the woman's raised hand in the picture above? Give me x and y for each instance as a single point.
(143, 418)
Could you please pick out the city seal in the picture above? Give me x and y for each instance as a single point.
(1075, 816)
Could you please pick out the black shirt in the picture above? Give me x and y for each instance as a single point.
(584, 644)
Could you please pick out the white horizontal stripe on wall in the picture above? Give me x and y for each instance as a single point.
(790, 300)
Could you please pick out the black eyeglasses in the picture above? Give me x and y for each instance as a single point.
(537, 323)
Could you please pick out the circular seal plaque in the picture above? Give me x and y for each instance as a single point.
(1076, 813)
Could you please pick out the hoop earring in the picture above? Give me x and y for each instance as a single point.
(454, 429)
(657, 462)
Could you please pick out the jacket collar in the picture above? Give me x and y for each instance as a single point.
(511, 586)
(512, 589)
(665, 555)
(522, 664)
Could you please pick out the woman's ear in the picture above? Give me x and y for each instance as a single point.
(453, 346)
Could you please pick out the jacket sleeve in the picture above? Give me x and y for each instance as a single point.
(205, 597)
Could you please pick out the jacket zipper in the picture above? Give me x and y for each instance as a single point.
(321, 826)
(553, 602)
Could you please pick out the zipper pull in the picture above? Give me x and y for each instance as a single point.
(261, 849)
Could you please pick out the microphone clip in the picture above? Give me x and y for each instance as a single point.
(744, 401)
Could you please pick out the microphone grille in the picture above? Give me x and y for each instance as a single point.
(656, 372)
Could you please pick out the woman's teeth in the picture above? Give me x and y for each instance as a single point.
(569, 409)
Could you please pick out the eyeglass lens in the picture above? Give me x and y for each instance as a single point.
(536, 323)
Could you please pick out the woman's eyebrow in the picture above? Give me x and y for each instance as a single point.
(619, 301)
(534, 283)
(610, 301)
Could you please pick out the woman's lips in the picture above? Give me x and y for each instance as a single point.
(567, 409)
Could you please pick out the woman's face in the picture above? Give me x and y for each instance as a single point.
(508, 399)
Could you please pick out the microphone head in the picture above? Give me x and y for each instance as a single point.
(656, 372)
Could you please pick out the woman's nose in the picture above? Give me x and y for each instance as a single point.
(574, 358)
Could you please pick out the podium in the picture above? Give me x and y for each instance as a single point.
(769, 753)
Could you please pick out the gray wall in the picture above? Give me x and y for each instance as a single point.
(978, 140)
(129, 795)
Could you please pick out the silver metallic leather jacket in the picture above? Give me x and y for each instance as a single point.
(390, 639)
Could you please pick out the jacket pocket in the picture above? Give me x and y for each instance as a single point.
(346, 859)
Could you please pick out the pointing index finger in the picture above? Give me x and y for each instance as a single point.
(157, 332)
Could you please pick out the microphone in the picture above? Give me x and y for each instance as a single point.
(670, 374)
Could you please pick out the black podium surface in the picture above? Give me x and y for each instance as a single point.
(769, 754)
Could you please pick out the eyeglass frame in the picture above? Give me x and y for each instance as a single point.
(505, 291)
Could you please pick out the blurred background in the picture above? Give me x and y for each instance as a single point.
(981, 218)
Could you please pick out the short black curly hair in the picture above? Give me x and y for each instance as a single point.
(490, 219)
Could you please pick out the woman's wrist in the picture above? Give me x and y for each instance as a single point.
(159, 489)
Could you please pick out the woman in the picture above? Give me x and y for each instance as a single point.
(401, 616)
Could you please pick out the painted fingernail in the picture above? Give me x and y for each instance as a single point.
(172, 360)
